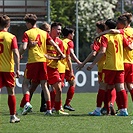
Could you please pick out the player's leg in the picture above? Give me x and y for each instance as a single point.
(70, 94)
(46, 95)
(12, 105)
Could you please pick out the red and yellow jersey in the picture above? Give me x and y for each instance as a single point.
(96, 47)
(53, 52)
(128, 54)
(69, 45)
(36, 54)
(62, 64)
(114, 51)
(7, 43)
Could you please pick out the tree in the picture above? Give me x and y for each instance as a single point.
(90, 11)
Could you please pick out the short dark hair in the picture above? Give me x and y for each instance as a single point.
(111, 23)
(129, 16)
(123, 20)
(55, 24)
(101, 25)
(4, 21)
(30, 18)
(66, 31)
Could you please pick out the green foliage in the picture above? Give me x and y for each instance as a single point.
(63, 11)
(77, 122)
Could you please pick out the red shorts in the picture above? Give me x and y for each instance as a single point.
(100, 74)
(62, 76)
(53, 75)
(7, 79)
(36, 71)
(128, 68)
(68, 77)
(112, 77)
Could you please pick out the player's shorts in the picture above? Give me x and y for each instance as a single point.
(112, 77)
(62, 76)
(7, 79)
(53, 75)
(36, 71)
(100, 74)
(68, 77)
(128, 69)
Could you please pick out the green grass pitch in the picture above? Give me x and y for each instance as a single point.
(77, 122)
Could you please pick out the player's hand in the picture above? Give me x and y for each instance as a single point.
(90, 67)
(32, 43)
(63, 56)
(79, 66)
(17, 74)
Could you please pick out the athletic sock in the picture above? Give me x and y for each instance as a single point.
(12, 104)
(26, 98)
(100, 97)
(70, 94)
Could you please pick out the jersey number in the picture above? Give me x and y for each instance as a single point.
(38, 39)
(116, 46)
(1, 46)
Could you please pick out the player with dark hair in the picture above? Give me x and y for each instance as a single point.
(68, 34)
(37, 60)
(52, 66)
(113, 69)
(9, 55)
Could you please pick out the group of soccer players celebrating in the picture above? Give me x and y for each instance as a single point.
(49, 64)
(113, 48)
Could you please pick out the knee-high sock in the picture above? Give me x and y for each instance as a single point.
(52, 95)
(70, 94)
(12, 104)
(122, 95)
(100, 97)
(26, 98)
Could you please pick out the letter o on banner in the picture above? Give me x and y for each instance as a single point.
(84, 78)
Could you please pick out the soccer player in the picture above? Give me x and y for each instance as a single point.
(46, 27)
(68, 34)
(123, 26)
(9, 55)
(52, 66)
(113, 69)
(100, 27)
(36, 61)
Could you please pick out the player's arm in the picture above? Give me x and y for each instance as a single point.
(52, 57)
(16, 56)
(69, 62)
(128, 44)
(89, 57)
(16, 60)
(73, 56)
(57, 48)
(23, 48)
(98, 57)
(25, 41)
(111, 31)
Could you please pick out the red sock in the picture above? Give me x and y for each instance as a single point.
(26, 98)
(123, 98)
(48, 105)
(70, 94)
(118, 102)
(12, 104)
(100, 97)
(57, 105)
(52, 95)
(131, 93)
(106, 97)
(113, 96)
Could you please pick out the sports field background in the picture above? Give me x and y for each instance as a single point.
(77, 122)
